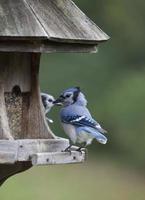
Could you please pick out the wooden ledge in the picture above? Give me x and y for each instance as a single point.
(38, 151)
(58, 158)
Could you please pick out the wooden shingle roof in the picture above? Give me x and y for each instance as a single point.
(47, 20)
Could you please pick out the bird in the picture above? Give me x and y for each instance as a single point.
(77, 121)
(48, 103)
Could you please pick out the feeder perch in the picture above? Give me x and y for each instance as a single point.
(27, 29)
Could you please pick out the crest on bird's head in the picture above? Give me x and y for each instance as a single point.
(71, 96)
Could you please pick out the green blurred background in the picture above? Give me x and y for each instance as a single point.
(113, 81)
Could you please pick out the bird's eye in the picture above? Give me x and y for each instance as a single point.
(61, 96)
(50, 100)
(68, 95)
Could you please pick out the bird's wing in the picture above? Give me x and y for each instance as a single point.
(79, 120)
(94, 133)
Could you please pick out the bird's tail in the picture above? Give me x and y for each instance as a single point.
(100, 138)
(96, 134)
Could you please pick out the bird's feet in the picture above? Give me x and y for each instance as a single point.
(68, 149)
(82, 149)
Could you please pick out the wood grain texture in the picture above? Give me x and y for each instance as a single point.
(17, 20)
(37, 124)
(45, 46)
(58, 158)
(18, 155)
(63, 21)
(39, 152)
(27, 148)
(56, 20)
(15, 69)
(8, 151)
(7, 157)
(24, 111)
(5, 132)
(22, 150)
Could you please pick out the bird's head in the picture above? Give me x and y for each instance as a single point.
(71, 96)
(47, 100)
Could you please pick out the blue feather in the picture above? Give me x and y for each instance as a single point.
(93, 134)
(79, 120)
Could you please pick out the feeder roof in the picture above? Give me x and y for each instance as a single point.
(52, 20)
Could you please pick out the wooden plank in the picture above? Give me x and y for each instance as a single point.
(23, 150)
(52, 47)
(18, 20)
(65, 22)
(7, 157)
(5, 132)
(19, 155)
(46, 47)
(8, 151)
(15, 70)
(27, 148)
(58, 158)
(55, 20)
(37, 124)
(9, 145)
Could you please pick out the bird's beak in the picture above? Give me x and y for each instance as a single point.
(59, 101)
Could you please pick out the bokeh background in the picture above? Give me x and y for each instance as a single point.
(113, 81)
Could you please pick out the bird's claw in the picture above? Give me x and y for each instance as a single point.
(81, 150)
(68, 149)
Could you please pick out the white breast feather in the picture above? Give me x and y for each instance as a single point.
(70, 131)
(84, 136)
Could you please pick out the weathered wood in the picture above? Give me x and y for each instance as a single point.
(7, 157)
(19, 75)
(17, 19)
(56, 20)
(19, 155)
(36, 111)
(8, 151)
(5, 132)
(50, 151)
(65, 22)
(45, 47)
(16, 156)
(22, 150)
(26, 148)
(25, 115)
(15, 70)
(58, 158)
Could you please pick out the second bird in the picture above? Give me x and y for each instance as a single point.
(76, 119)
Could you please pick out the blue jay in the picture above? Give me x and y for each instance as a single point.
(48, 103)
(76, 119)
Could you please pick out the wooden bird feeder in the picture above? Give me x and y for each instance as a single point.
(27, 29)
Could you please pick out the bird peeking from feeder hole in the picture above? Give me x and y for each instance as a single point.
(77, 121)
(48, 102)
